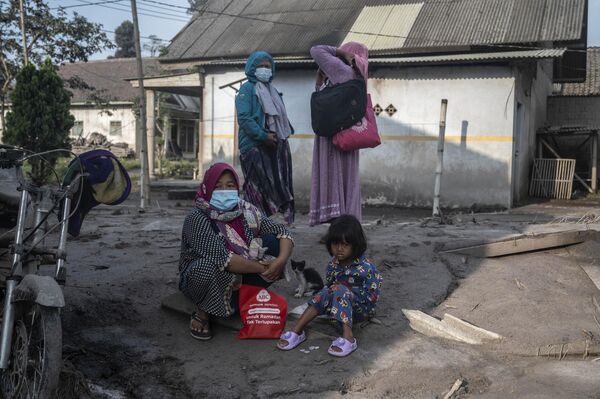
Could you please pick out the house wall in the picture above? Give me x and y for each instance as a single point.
(533, 86)
(479, 133)
(98, 120)
(574, 111)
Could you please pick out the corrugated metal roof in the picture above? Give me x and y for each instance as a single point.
(497, 21)
(396, 22)
(504, 55)
(289, 27)
(591, 86)
(431, 59)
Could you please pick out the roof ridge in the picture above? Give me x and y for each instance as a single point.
(112, 60)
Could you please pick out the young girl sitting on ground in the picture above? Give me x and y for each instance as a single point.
(350, 293)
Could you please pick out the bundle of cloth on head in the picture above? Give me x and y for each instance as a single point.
(105, 181)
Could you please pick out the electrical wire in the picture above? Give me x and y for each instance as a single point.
(84, 5)
(128, 10)
(143, 37)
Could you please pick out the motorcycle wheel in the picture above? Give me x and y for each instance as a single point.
(36, 354)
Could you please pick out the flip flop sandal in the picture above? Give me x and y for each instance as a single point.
(346, 347)
(204, 324)
(293, 340)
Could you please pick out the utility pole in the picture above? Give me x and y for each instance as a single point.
(144, 176)
(22, 15)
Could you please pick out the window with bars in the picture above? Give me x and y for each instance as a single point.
(77, 129)
(115, 128)
(186, 136)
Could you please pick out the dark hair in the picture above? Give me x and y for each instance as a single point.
(346, 228)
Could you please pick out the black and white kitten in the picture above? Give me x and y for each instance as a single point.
(309, 280)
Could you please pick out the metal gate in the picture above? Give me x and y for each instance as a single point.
(552, 178)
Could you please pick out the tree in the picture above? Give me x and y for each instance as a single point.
(195, 5)
(154, 46)
(125, 40)
(40, 118)
(50, 34)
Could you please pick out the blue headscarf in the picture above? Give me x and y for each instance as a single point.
(253, 60)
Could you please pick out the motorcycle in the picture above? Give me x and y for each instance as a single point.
(32, 274)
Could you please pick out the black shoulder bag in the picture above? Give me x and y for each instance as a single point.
(338, 107)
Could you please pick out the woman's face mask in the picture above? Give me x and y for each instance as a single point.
(263, 74)
(224, 200)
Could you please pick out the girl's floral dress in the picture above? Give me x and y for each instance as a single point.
(351, 292)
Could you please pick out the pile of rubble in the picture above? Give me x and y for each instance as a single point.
(99, 141)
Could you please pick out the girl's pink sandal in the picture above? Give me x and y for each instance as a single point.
(346, 347)
(293, 340)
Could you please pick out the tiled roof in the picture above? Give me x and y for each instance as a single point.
(107, 77)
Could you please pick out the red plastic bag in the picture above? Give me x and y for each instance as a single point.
(263, 313)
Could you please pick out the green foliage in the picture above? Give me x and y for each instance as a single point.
(154, 46)
(125, 39)
(196, 5)
(131, 164)
(50, 34)
(183, 168)
(40, 119)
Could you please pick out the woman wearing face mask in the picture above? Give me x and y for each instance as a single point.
(263, 134)
(216, 249)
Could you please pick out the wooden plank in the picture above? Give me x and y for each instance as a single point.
(523, 244)
(574, 174)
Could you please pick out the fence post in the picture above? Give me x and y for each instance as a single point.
(440, 160)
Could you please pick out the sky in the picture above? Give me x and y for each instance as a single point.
(154, 19)
(165, 21)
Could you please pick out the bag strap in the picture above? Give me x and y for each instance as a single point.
(357, 71)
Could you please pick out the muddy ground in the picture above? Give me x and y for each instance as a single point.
(119, 342)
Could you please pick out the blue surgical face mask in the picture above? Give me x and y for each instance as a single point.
(263, 74)
(224, 200)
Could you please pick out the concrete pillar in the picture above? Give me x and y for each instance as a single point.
(201, 127)
(150, 116)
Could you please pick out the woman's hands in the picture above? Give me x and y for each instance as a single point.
(271, 141)
(346, 56)
(274, 269)
(271, 270)
(240, 265)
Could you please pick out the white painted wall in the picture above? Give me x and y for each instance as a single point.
(479, 145)
(534, 85)
(95, 120)
(218, 116)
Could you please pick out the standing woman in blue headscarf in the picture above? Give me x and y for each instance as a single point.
(263, 135)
